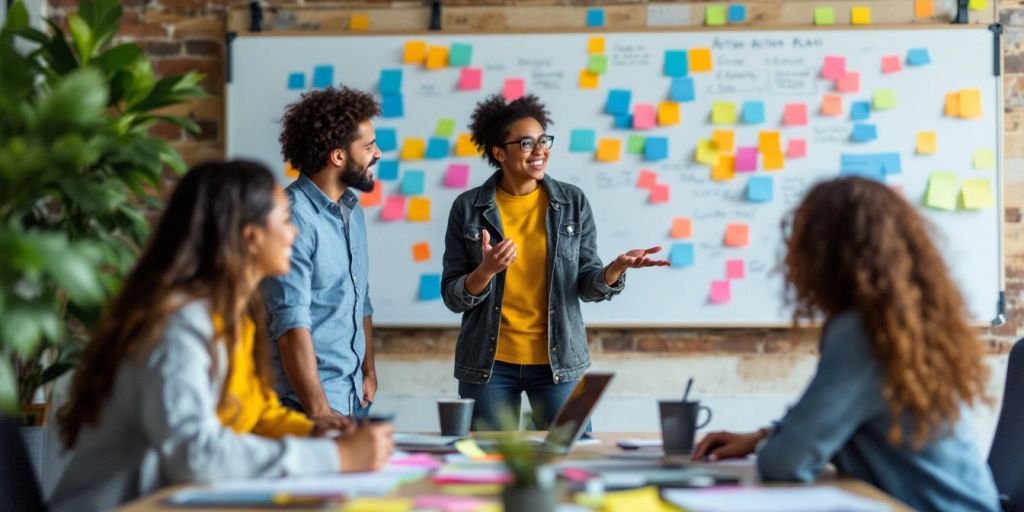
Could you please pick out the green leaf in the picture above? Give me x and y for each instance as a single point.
(57, 53)
(76, 271)
(118, 57)
(183, 122)
(79, 99)
(81, 36)
(17, 16)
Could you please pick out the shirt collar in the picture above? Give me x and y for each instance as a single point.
(319, 199)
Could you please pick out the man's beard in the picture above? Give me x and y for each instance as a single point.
(357, 177)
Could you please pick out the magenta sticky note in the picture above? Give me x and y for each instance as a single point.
(470, 79)
(720, 292)
(514, 89)
(849, 82)
(394, 208)
(734, 269)
(746, 159)
(457, 176)
(647, 180)
(796, 148)
(659, 194)
(644, 117)
(891, 64)
(795, 114)
(834, 68)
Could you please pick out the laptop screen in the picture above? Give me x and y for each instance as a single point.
(572, 418)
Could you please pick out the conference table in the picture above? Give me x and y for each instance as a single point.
(606, 447)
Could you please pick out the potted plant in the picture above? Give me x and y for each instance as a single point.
(534, 486)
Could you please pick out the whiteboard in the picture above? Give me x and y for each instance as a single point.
(776, 67)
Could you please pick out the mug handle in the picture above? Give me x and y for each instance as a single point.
(706, 420)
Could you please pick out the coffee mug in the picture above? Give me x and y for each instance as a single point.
(679, 424)
(455, 415)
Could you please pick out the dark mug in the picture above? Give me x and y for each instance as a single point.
(679, 424)
(455, 414)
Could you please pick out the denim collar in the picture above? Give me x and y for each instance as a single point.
(319, 199)
(485, 196)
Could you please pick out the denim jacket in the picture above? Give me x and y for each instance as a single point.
(574, 269)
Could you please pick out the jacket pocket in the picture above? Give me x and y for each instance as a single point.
(569, 240)
(471, 236)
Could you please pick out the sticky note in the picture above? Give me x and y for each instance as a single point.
(977, 5)
(646, 179)
(430, 289)
(720, 292)
(724, 140)
(681, 255)
(668, 113)
(984, 159)
(737, 235)
(391, 106)
(926, 143)
(437, 57)
(420, 251)
(860, 16)
(753, 112)
(834, 67)
(952, 104)
(419, 209)
(682, 227)
(457, 176)
(977, 194)
(437, 148)
(682, 89)
(296, 81)
(387, 170)
(759, 189)
(624, 121)
(769, 142)
(832, 105)
(860, 110)
(645, 499)
(635, 145)
(970, 103)
(373, 197)
(359, 22)
(618, 102)
(676, 63)
(714, 15)
(884, 99)
(941, 192)
(323, 76)
(595, 45)
(918, 57)
(387, 139)
(465, 146)
(863, 132)
(850, 82)
(891, 64)
(734, 269)
(659, 194)
(796, 148)
(589, 80)
(582, 141)
(795, 114)
(460, 55)
(737, 13)
(609, 150)
(445, 128)
(415, 52)
(644, 117)
(725, 169)
(655, 148)
(924, 8)
(597, 64)
(773, 161)
(514, 89)
(700, 60)
(470, 79)
(595, 18)
(824, 16)
(707, 152)
(723, 112)
(413, 149)
(412, 183)
(394, 208)
(746, 159)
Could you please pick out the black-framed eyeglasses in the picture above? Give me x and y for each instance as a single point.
(528, 143)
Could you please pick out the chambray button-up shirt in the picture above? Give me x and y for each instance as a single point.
(326, 291)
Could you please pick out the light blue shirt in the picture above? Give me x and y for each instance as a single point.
(326, 291)
(843, 418)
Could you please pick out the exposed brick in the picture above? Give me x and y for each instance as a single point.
(166, 131)
(142, 30)
(1014, 63)
(208, 130)
(203, 47)
(1012, 215)
(162, 48)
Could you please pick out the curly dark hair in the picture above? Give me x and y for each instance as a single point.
(321, 121)
(492, 117)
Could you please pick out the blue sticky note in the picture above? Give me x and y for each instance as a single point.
(890, 163)
(430, 286)
(682, 89)
(759, 189)
(618, 102)
(387, 139)
(437, 148)
(656, 148)
(624, 121)
(863, 132)
(872, 166)
(860, 110)
(296, 81)
(737, 13)
(681, 255)
(412, 183)
(595, 18)
(582, 141)
(676, 63)
(918, 57)
(390, 81)
(753, 112)
(323, 76)
(391, 106)
(387, 170)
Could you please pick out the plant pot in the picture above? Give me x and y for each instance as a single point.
(529, 499)
(35, 446)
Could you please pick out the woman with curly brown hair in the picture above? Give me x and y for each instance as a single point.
(899, 364)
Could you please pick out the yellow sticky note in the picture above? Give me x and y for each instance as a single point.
(924, 8)
(369, 504)
(970, 103)
(769, 142)
(707, 152)
(926, 143)
(465, 147)
(773, 161)
(952, 104)
(589, 80)
(668, 113)
(469, 448)
(723, 112)
(977, 5)
(646, 499)
(700, 60)
(415, 52)
(724, 139)
(595, 45)
(359, 22)
(941, 192)
(609, 150)
(419, 209)
(977, 194)
(437, 57)
(725, 170)
(984, 159)
(413, 149)
(860, 15)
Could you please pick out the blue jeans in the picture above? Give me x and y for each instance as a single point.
(501, 398)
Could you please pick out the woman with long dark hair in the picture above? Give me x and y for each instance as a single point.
(143, 411)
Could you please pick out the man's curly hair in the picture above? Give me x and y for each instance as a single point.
(492, 117)
(321, 121)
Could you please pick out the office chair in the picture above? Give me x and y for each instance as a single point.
(1004, 458)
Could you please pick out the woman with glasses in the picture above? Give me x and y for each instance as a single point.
(520, 255)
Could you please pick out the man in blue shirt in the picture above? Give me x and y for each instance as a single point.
(320, 313)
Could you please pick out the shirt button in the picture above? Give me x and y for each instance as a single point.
(556, 379)
(569, 229)
(497, 308)
(492, 338)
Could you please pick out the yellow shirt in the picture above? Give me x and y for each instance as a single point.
(248, 406)
(523, 337)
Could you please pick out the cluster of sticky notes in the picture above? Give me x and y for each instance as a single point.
(648, 180)
(430, 286)
(680, 63)
(418, 52)
(719, 15)
(874, 166)
(597, 64)
(965, 104)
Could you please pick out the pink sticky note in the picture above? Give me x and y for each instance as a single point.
(795, 114)
(514, 89)
(734, 269)
(449, 503)
(746, 159)
(850, 82)
(416, 460)
(796, 148)
(720, 293)
(644, 116)
(457, 176)
(659, 194)
(394, 208)
(470, 79)
(647, 180)
(891, 64)
(834, 68)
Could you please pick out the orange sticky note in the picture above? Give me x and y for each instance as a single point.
(926, 143)
(668, 113)
(421, 251)
(682, 227)
(419, 209)
(737, 235)
(832, 105)
(595, 45)
(724, 139)
(413, 149)
(860, 15)
(773, 161)
(373, 197)
(290, 171)
(589, 80)
(465, 147)
(769, 142)
(725, 169)
(609, 150)
(415, 52)
(437, 57)
(359, 22)
(952, 104)
(924, 8)
(700, 60)
(970, 103)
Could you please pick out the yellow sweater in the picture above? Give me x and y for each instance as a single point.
(523, 337)
(248, 406)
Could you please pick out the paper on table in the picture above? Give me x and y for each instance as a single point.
(782, 499)
(370, 504)
(646, 499)
(368, 484)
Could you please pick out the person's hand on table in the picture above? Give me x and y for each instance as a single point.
(727, 445)
(367, 448)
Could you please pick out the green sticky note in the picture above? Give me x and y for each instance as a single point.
(445, 128)
(714, 15)
(884, 99)
(824, 16)
(977, 5)
(941, 191)
(635, 144)
(597, 64)
(460, 55)
(984, 159)
(977, 194)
